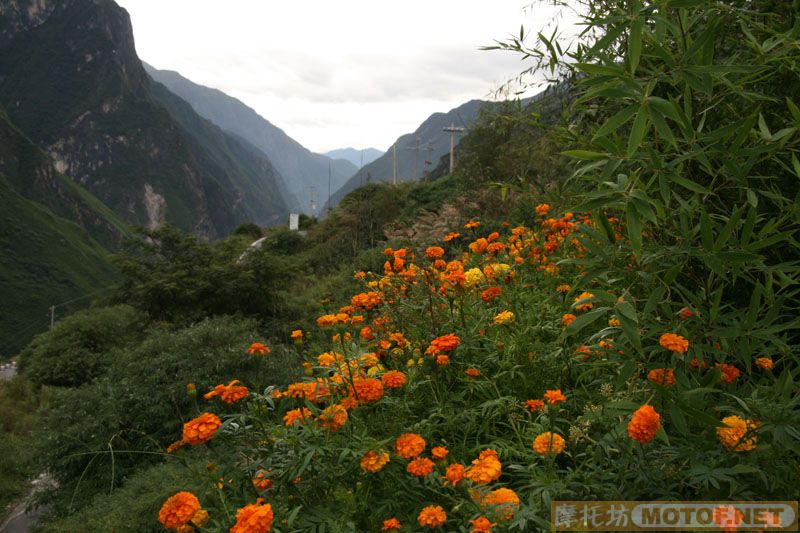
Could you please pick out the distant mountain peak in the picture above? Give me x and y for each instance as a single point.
(358, 157)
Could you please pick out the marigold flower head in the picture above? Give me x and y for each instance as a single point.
(445, 343)
(472, 277)
(549, 442)
(739, 435)
(434, 252)
(504, 503)
(568, 319)
(472, 224)
(485, 469)
(450, 236)
(254, 518)
(230, 393)
(178, 510)
(503, 318)
(392, 524)
(409, 445)
(542, 209)
(764, 363)
(258, 348)
(454, 474)
(481, 525)
(554, 397)
(644, 424)
(534, 405)
(366, 300)
(420, 467)
(432, 516)
(442, 360)
(490, 294)
(366, 333)
(393, 379)
(296, 415)
(374, 461)
(674, 343)
(333, 417)
(297, 335)
(368, 390)
(585, 306)
(261, 482)
(563, 288)
(201, 429)
(662, 376)
(613, 322)
(439, 453)
(729, 373)
(326, 321)
(473, 372)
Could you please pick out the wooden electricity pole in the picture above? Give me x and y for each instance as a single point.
(453, 130)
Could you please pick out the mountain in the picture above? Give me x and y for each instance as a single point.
(300, 167)
(53, 239)
(71, 80)
(415, 152)
(358, 157)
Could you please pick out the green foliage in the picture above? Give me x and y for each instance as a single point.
(81, 346)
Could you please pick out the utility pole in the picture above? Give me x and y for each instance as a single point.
(52, 315)
(428, 148)
(416, 148)
(312, 197)
(329, 185)
(394, 163)
(453, 130)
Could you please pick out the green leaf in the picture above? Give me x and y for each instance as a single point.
(620, 118)
(635, 44)
(638, 130)
(585, 154)
(634, 227)
(793, 109)
(584, 320)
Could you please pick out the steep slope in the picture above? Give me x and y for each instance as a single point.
(300, 167)
(71, 80)
(357, 157)
(49, 233)
(411, 162)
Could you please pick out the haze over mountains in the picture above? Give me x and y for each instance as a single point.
(358, 157)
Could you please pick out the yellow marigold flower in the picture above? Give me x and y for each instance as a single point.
(662, 376)
(563, 288)
(296, 415)
(258, 348)
(297, 335)
(504, 503)
(420, 467)
(333, 417)
(568, 319)
(254, 518)
(432, 516)
(178, 510)
(549, 442)
(393, 379)
(503, 318)
(739, 435)
(439, 453)
(409, 445)
(764, 363)
(481, 525)
(374, 461)
(674, 343)
(485, 469)
(201, 429)
(644, 424)
(472, 277)
(454, 474)
(230, 393)
(554, 397)
(499, 269)
(586, 305)
(392, 524)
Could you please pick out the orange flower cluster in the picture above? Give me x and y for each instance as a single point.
(434, 252)
(674, 343)
(485, 469)
(333, 417)
(261, 482)
(409, 445)
(297, 335)
(729, 373)
(450, 236)
(534, 405)
(481, 525)
(568, 319)
(374, 461)
(542, 209)
(644, 424)
(201, 429)
(313, 391)
(739, 435)
(366, 300)
(764, 363)
(454, 474)
(368, 390)
(178, 510)
(258, 348)
(662, 376)
(296, 415)
(432, 516)
(555, 397)
(393, 379)
(490, 294)
(420, 467)
(503, 502)
(445, 343)
(585, 306)
(549, 442)
(392, 524)
(439, 453)
(254, 518)
(230, 393)
(473, 372)
(326, 321)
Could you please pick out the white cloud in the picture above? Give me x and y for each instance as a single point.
(332, 74)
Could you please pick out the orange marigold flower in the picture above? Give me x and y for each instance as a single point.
(297, 335)
(258, 348)
(764, 363)
(445, 343)
(261, 482)
(503, 501)
(178, 510)
(366, 333)
(296, 415)
(490, 294)
(420, 467)
(450, 236)
(432, 516)
(374, 461)
(333, 417)
(585, 306)
(485, 469)
(201, 429)
(662, 376)
(392, 524)
(542, 209)
(729, 373)
(393, 379)
(739, 435)
(613, 322)
(368, 390)
(230, 393)
(472, 224)
(473, 372)
(254, 518)
(434, 252)
(549, 442)
(454, 473)
(366, 300)
(534, 405)
(439, 453)
(479, 246)
(409, 445)
(442, 360)
(568, 319)
(481, 525)
(674, 343)
(554, 397)
(313, 391)
(332, 320)
(563, 288)
(644, 424)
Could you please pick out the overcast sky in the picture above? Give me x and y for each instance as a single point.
(338, 73)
